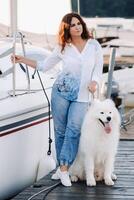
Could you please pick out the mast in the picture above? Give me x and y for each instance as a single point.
(13, 17)
(78, 7)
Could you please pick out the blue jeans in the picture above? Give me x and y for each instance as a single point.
(68, 117)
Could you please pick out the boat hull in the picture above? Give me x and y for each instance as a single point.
(23, 143)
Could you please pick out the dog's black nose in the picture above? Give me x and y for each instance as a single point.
(109, 119)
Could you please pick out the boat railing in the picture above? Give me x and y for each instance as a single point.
(24, 53)
(14, 65)
(12, 70)
(4, 54)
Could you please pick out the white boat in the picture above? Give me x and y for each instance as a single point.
(24, 127)
(110, 23)
(124, 78)
(124, 60)
(24, 110)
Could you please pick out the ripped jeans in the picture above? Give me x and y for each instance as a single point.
(68, 117)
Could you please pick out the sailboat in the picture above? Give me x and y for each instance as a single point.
(26, 127)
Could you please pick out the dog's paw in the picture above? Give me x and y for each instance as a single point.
(91, 182)
(114, 177)
(109, 182)
(74, 178)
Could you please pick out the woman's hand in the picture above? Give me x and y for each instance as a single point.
(17, 59)
(24, 60)
(92, 86)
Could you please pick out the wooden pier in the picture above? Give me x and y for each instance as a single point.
(122, 190)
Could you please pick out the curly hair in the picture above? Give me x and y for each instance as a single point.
(64, 29)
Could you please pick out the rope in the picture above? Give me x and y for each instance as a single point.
(59, 183)
(49, 114)
(50, 188)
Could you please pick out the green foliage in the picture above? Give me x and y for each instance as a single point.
(105, 8)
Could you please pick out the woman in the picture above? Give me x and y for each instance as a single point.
(82, 64)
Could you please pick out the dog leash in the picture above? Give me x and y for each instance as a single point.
(97, 92)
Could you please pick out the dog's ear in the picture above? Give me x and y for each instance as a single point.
(110, 102)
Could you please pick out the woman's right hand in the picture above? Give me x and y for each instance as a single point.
(17, 59)
(24, 60)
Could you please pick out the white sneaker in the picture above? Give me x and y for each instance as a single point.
(55, 175)
(63, 176)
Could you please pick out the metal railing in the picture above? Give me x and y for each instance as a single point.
(12, 70)
(110, 73)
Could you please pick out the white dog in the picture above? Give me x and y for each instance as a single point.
(98, 144)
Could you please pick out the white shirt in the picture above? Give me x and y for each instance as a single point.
(88, 64)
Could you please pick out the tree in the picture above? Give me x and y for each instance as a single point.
(105, 8)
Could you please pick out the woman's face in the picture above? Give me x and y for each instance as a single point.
(76, 28)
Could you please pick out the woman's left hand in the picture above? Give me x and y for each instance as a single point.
(92, 86)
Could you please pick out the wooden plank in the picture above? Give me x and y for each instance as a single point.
(122, 190)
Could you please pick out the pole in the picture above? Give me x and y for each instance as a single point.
(14, 66)
(13, 17)
(78, 7)
(110, 74)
